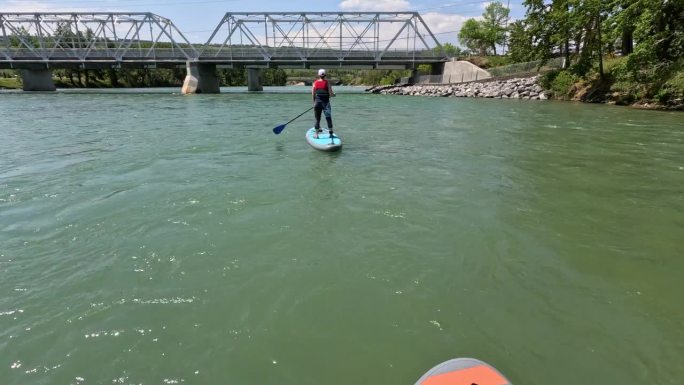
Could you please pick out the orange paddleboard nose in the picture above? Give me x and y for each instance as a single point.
(463, 371)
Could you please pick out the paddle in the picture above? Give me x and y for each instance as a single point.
(278, 129)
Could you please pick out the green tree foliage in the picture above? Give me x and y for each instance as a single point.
(521, 48)
(473, 36)
(642, 42)
(274, 77)
(494, 21)
(656, 25)
(22, 38)
(482, 36)
(652, 32)
(545, 31)
(451, 50)
(582, 30)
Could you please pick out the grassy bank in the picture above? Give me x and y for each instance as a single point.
(9, 80)
(659, 86)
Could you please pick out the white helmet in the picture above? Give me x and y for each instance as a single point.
(321, 72)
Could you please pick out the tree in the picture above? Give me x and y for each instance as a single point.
(494, 21)
(622, 22)
(451, 50)
(483, 36)
(547, 29)
(22, 38)
(656, 25)
(657, 28)
(520, 47)
(274, 77)
(473, 36)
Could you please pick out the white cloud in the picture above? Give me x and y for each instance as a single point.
(12, 6)
(444, 22)
(35, 6)
(375, 5)
(444, 26)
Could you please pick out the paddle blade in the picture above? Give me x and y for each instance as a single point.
(277, 130)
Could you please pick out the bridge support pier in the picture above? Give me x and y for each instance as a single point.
(200, 79)
(254, 82)
(37, 80)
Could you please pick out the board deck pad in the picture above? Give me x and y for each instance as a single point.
(324, 142)
(463, 371)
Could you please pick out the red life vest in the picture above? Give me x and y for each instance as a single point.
(321, 90)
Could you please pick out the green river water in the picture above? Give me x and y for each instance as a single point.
(148, 237)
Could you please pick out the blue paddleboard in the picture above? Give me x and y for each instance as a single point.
(324, 141)
(463, 371)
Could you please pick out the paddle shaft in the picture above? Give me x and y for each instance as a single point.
(295, 118)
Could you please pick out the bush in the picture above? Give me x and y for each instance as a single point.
(560, 82)
(672, 91)
(546, 79)
(626, 92)
(498, 61)
(612, 64)
(486, 62)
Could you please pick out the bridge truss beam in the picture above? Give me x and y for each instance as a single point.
(325, 38)
(110, 39)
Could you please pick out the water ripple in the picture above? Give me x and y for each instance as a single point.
(179, 241)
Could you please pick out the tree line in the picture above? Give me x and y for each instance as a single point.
(158, 77)
(162, 77)
(634, 47)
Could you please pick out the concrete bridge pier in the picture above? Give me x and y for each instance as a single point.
(37, 80)
(200, 79)
(254, 79)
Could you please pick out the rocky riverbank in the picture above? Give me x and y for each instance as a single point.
(519, 88)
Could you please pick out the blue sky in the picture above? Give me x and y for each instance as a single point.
(197, 18)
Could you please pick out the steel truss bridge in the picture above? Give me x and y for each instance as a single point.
(285, 39)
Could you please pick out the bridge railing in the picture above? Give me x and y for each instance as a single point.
(268, 53)
(81, 54)
(254, 55)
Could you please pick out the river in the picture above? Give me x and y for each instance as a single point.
(148, 237)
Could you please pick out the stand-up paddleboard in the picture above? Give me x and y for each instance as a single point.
(324, 141)
(463, 371)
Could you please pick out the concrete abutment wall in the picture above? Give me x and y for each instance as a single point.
(459, 71)
(454, 71)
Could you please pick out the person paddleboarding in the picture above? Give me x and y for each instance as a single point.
(321, 92)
